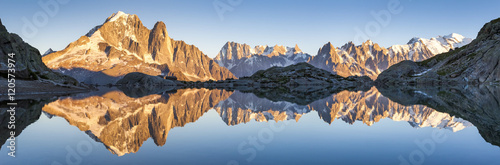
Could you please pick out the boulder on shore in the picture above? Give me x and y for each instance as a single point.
(138, 79)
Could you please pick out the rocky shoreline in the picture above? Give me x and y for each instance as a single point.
(474, 64)
(299, 78)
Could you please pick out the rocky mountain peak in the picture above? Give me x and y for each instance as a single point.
(490, 31)
(122, 44)
(279, 46)
(327, 49)
(348, 46)
(2, 28)
(160, 29)
(275, 50)
(160, 44)
(368, 45)
(280, 49)
(297, 49)
(233, 51)
(48, 52)
(123, 22)
(229, 44)
(368, 42)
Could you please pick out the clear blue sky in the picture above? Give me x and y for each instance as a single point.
(308, 23)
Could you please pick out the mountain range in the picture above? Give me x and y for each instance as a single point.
(122, 44)
(475, 63)
(367, 59)
(243, 60)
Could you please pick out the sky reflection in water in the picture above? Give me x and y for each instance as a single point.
(201, 126)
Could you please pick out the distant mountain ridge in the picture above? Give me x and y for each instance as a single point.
(122, 44)
(243, 60)
(48, 52)
(367, 59)
(476, 63)
(370, 59)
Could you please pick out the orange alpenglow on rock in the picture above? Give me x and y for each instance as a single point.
(122, 44)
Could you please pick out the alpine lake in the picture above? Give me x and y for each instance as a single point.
(432, 125)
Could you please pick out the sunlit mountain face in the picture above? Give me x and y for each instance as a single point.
(123, 123)
(122, 44)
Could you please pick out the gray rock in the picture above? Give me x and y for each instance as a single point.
(143, 80)
(475, 63)
(28, 61)
(304, 74)
(138, 84)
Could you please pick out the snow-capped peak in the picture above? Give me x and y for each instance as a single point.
(441, 44)
(454, 36)
(117, 15)
(413, 40)
(457, 40)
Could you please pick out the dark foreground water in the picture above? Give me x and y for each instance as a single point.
(202, 126)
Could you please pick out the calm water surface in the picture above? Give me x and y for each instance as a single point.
(202, 126)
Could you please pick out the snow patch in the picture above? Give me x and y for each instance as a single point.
(117, 15)
(423, 93)
(422, 73)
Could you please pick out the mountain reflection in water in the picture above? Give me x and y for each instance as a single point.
(479, 105)
(368, 107)
(123, 123)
